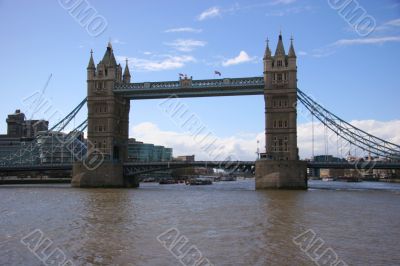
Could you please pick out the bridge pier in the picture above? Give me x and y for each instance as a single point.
(109, 174)
(285, 174)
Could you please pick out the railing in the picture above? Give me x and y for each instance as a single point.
(227, 82)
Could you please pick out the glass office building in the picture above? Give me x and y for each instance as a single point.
(145, 152)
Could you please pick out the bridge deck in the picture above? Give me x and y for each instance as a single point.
(214, 164)
(192, 88)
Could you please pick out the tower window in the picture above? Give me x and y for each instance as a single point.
(279, 77)
(280, 124)
(286, 124)
(279, 63)
(274, 123)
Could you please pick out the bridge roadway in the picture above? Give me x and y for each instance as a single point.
(132, 168)
(185, 88)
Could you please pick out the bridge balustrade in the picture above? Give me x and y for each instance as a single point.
(227, 82)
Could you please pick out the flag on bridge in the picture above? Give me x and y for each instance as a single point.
(217, 73)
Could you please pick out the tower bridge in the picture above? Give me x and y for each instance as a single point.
(110, 92)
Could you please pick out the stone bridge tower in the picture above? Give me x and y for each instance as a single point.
(108, 125)
(280, 166)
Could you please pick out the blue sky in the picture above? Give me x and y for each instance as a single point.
(356, 77)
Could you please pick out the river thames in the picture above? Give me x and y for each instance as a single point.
(229, 223)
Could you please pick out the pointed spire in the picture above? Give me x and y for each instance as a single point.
(291, 49)
(112, 58)
(109, 58)
(267, 53)
(91, 61)
(126, 71)
(280, 50)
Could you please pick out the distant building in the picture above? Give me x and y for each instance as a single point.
(59, 148)
(145, 152)
(30, 142)
(328, 158)
(20, 133)
(19, 127)
(327, 172)
(185, 158)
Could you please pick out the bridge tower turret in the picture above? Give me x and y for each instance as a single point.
(108, 125)
(280, 167)
(127, 74)
(91, 68)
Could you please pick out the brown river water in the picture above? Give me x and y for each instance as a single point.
(227, 223)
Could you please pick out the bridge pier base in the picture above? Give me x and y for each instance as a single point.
(272, 174)
(107, 175)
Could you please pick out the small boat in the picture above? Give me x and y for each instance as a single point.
(326, 179)
(167, 182)
(199, 181)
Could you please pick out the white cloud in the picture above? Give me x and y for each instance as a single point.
(165, 63)
(243, 57)
(372, 40)
(385, 130)
(183, 29)
(186, 45)
(209, 13)
(241, 147)
(394, 22)
(331, 48)
(384, 27)
(244, 146)
(303, 53)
